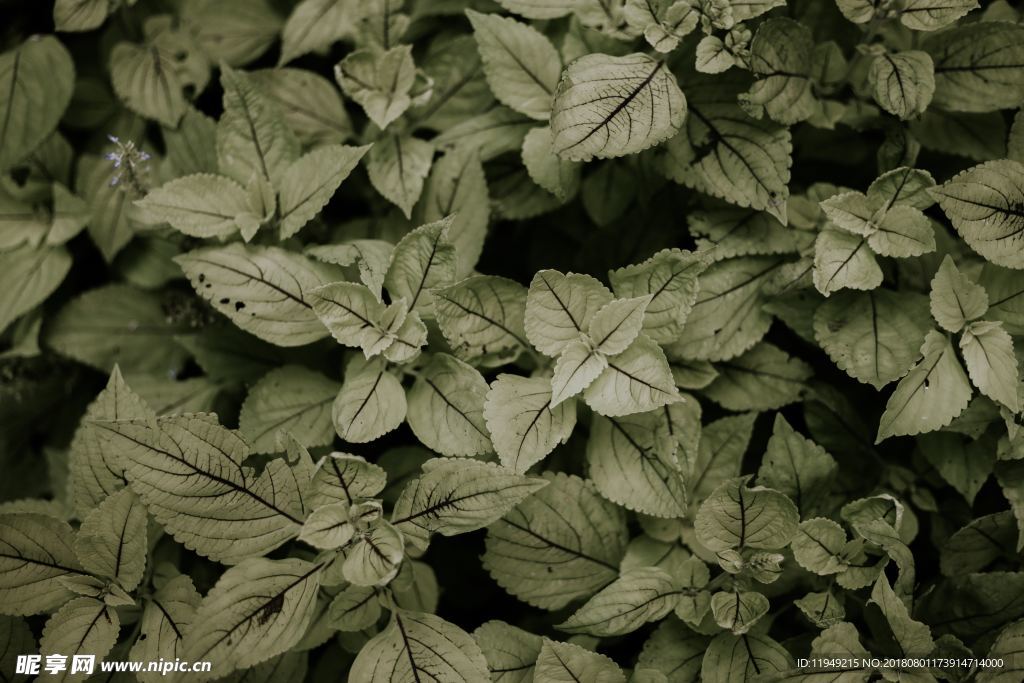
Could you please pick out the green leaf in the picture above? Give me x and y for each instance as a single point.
(28, 275)
(675, 651)
(991, 363)
(521, 65)
(568, 662)
(903, 83)
(738, 611)
(310, 104)
(965, 465)
(355, 608)
(112, 539)
(80, 15)
(663, 22)
(374, 558)
(511, 652)
(482, 316)
(263, 290)
(638, 596)
(635, 381)
(735, 516)
(732, 658)
(617, 324)
(913, 637)
(309, 182)
(188, 471)
(559, 309)
(576, 368)
(797, 467)
(726, 232)
(523, 424)
(288, 399)
(979, 66)
(842, 260)
(983, 203)
(199, 205)
(1007, 648)
(111, 227)
(166, 616)
(256, 610)
(423, 260)
(233, 31)
(609, 106)
(556, 175)
(252, 138)
(149, 81)
(357, 318)
(720, 454)
(35, 554)
(955, 299)
(633, 463)
(929, 15)
(38, 77)
(118, 324)
(820, 545)
(670, 278)
(344, 478)
(727, 317)
(416, 646)
(539, 9)
(371, 402)
(313, 25)
(763, 378)
(560, 544)
(446, 408)
(934, 392)
(83, 626)
(456, 496)
(725, 153)
(780, 59)
(874, 336)
(398, 165)
(379, 81)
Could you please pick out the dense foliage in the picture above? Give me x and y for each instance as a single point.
(513, 340)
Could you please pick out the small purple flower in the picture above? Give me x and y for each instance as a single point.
(130, 164)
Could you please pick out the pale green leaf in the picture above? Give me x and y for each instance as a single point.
(446, 408)
(310, 104)
(373, 559)
(288, 399)
(455, 496)
(188, 471)
(556, 175)
(763, 378)
(991, 363)
(635, 381)
(83, 626)
(609, 106)
(726, 232)
(562, 543)
(780, 59)
(35, 553)
(423, 260)
(720, 454)
(964, 464)
(979, 66)
(233, 31)
(252, 138)
(520, 63)
(344, 478)
(955, 299)
(823, 609)
(354, 609)
(80, 15)
(983, 203)
(313, 25)
(309, 182)
(913, 637)
(735, 516)
(874, 336)
(903, 232)
(149, 82)
(843, 260)
(523, 422)
(819, 546)
(416, 647)
(559, 308)
(257, 610)
(796, 466)
(1009, 648)
(111, 226)
(379, 81)
(565, 663)
(617, 324)
(540, 9)
(328, 526)
(576, 368)
(929, 15)
(903, 83)
(738, 611)
(28, 275)
(370, 256)
(670, 278)
(112, 539)
(663, 22)
(638, 596)
(633, 462)
(730, 658)
(199, 205)
(37, 78)
(934, 392)
(511, 652)
(482, 316)
(370, 403)
(398, 165)
(263, 290)
(168, 614)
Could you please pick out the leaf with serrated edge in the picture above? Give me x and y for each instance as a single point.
(482, 315)
(559, 308)
(168, 614)
(635, 381)
(523, 422)
(511, 652)
(35, 553)
(818, 546)
(991, 363)
(398, 166)
(82, 627)
(446, 405)
(563, 662)
(345, 478)
(288, 399)
(735, 516)
(370, 403)
(423, 260)
(199, 205)
(112, 539)
(638, 596)
(309, 182)
(796, 466)
(670, 278)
